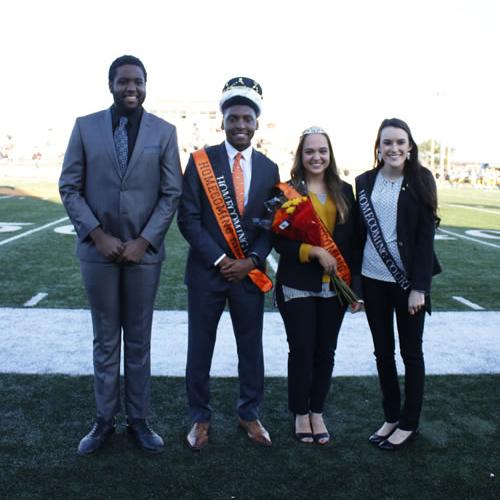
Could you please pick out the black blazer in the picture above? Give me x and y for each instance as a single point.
(415, 229)
(199, 226)
(309, 275)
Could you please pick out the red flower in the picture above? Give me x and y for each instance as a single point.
(297, 220)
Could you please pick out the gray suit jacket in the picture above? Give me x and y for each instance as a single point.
(142, 203)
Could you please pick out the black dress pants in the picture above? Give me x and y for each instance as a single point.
(382, 299)
(312, 327)
(246, 308)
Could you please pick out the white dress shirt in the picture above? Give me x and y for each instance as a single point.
(246, 166)
(245, 162)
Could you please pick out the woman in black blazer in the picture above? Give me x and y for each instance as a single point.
(397, 203)
(311, 313)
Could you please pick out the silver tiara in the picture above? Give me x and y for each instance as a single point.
(313, 130)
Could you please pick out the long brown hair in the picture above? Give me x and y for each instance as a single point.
(413, 169)
(332, 178)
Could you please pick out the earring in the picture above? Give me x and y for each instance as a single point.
(379, 157)
(408, 155)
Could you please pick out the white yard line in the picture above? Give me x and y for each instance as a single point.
(31, 231)
(468, 303)
(16, 223)
(38, 340)
(272, 263)
(496, 212)
(35, 299)
(7, 196)
(458, 235)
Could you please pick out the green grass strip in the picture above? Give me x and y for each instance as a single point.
(43, 418)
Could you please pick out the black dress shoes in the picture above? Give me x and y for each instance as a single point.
(100, 432)
(387, 445)
(145, 437)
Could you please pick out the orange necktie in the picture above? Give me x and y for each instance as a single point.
(239, 183)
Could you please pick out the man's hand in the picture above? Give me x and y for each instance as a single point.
(416, 301)
(107, 245)
(134, 250)
(234, 270)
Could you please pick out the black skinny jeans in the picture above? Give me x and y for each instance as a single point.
(312, 327)
(381, 300)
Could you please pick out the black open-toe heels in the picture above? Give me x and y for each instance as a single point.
(303, 437)
(322, 438)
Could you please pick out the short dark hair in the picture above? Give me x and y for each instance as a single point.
(122, 61)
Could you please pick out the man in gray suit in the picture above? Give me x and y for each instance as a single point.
(120, 184)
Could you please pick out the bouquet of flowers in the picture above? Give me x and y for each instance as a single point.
(296, 219)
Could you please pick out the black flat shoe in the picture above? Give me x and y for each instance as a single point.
(378, 438)
(387, 445)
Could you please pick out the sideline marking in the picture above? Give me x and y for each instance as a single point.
(465, 238)
(484, 233)
(496, 212)
(69, 229)
(35, 299)
(31, 231)
(11, 227)
(6, 196)
(468, 303)
(272, 263)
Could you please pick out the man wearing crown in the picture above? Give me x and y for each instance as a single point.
(224, 190)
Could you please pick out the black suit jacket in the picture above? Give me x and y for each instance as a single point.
(309, 275)
(199, 226)
(415, 229)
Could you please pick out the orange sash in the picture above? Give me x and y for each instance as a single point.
(327, 241)
(214, 195)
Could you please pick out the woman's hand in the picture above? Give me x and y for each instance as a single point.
(326, 260)
(356, 307)
(416, 301)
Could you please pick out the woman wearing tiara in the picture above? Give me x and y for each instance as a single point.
(306, 299)
(397, 206)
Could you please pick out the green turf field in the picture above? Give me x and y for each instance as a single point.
(44, 416)
(452, 459)
(43, 261)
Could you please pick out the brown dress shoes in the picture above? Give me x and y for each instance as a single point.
(256, 431)
(197, 438)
